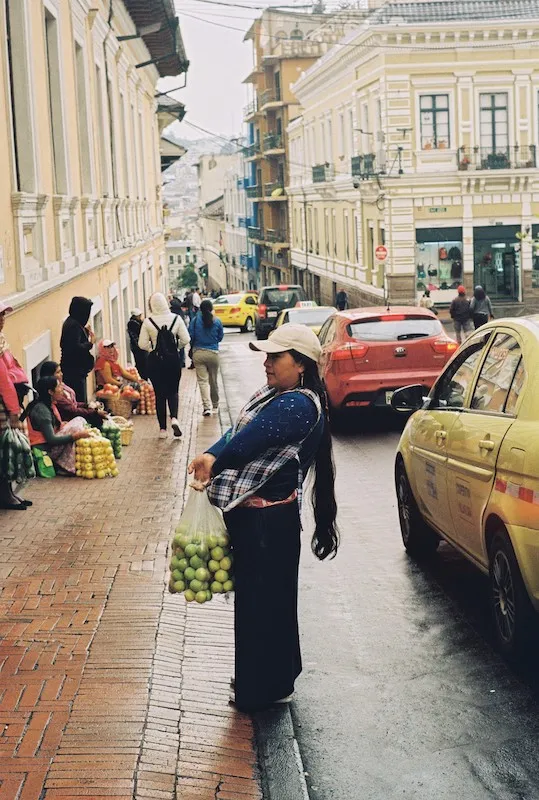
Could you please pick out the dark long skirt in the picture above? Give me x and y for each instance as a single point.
(266, 547)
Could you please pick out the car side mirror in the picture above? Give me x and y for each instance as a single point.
(409, 398)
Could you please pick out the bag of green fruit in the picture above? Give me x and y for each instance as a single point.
(201, 563)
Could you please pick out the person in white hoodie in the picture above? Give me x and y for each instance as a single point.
(164, 373)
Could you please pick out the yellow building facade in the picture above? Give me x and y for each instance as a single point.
(80, 197)
(414, 162)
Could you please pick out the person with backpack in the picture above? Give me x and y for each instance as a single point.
(164, 335)
(206, 332)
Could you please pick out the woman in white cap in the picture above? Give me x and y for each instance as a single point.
(254, 473)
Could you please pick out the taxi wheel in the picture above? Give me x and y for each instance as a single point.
(418, 538)
(249, 325)
(514, 618)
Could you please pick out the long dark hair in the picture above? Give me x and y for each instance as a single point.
(48, 368)
(479, 293)
(43, 388)
(326, 538)
(206, 311)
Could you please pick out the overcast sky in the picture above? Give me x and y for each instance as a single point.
(219, 61)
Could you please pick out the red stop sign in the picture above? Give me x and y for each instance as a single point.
(381, 252)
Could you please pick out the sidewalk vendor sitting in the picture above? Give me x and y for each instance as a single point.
(67, 403)
(107, 368)
(46, 429)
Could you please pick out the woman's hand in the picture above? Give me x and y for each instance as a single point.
(201, 466)
(14, 420)
(84, 434)
(103, 414)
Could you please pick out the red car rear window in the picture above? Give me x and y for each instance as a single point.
(394, 330)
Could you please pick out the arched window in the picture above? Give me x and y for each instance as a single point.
(296, 34)
(280, 35)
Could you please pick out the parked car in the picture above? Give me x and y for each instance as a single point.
(272, 300)
(237, 310)
(367, 353)
(313, 316)
(467, 468)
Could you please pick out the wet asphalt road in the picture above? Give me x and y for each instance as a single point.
(402, 694)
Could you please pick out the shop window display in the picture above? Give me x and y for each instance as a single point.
(438, 265)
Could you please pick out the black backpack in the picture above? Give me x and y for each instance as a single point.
(166, 352)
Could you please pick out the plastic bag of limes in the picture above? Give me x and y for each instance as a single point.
(201, 563)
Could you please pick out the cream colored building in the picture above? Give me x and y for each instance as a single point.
(80, 197)
(212, 171)
(414, 163)
(237, 209)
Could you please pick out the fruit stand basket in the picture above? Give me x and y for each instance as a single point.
(119, 406)
(126, 429)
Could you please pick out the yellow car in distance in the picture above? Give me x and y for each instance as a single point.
(237, 310)
(467, 468)
(313, 316)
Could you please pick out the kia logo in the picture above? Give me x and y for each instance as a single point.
(400, 351)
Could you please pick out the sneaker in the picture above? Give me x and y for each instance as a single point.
(215, 410)
(206, 412)
(175, 427)
(162, 434)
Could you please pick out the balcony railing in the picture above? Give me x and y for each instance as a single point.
(322, 173)
(250, 109)
(269, 96)
(517, 157)
(253, 192)
(270, 188)
(273, 141)
(363, 166)
(274, 235)
(275, 258)
(252, 150)
(255, 234)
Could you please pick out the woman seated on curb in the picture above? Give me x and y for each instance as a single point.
(67, 403)
(107, 368)
(46, 429)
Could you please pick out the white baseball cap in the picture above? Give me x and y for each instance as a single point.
(108, 342)
(291, 337)
(136, 312)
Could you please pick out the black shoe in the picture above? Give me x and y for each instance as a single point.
(12, 506)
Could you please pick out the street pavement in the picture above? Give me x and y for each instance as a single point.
(402, 694)
(110, 687)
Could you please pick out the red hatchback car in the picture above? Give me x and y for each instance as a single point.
(367, 353)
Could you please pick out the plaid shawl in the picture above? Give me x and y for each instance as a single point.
(233, 486)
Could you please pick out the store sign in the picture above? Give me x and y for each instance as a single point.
(381, 252)
(437, 210)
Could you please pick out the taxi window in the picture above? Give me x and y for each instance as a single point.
(327, 332)
(250, 300)
(451, 389)
(497, 373)
(516, 388)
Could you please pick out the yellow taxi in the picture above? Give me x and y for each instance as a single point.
(306, 313)
(237, 310)
(467, 468)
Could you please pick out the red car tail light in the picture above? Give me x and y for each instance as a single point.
(444, 346)
(392, 317)
(235, 310)
(348, 351)
(262, 310)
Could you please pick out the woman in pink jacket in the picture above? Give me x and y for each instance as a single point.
(11, 377)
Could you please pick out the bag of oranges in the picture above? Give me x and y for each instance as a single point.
(201, 563)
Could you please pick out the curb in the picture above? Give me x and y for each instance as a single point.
(282, 773)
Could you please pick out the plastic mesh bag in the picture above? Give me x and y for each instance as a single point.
(201, 563)
(16, 462)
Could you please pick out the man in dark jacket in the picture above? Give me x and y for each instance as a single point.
(76, 342)
(342, 300)
(461, 315)
(141, 356)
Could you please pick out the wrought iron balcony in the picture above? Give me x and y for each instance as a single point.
(255, 234)
(274, 235)
(250, 109)
(269, 96)
(253, 192)
(517, 157)
(275, 258)
(322, 173)
(363, 166)
(271, 188)
(273, 141)
(252, 150)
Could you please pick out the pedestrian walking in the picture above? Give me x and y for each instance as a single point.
(133, 330)
(196, 300)
(76, 341)
(460, 313)
(481, 307)
(164, 335)
(206, 333)
(342, 300)
(11, 375)
(254, 473)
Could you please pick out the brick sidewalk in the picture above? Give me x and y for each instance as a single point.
(110, 686)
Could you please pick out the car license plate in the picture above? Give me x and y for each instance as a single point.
(272, 313)
(219, 310)
(389, 395)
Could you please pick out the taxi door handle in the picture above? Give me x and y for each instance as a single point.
(486, 444)
(440, 436)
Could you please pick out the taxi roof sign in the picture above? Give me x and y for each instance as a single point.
(306, 304)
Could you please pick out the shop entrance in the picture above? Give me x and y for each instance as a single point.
(497, 261)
